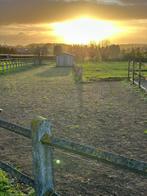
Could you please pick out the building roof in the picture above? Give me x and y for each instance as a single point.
(65, 53)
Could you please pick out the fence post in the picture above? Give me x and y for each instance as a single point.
(133, 71)
(129, 69)
(7, 65)
(3, 67)
(139, 82)
(42, 157)
(12, 64)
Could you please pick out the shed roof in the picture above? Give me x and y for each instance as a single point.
(65, 53)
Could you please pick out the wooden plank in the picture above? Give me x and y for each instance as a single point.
(142, 70)
(45, 137)
(139, 75)
(17, 174)
(15, 128)
(133, 71)
(129, 65)
(42, 157)
(21, 177)
(96, 154)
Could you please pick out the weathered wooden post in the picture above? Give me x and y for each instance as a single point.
(129, 63)
(13, 64)
(133, 71)
(22, 62)
(139, 82)
(3, 66)
(78, 73)
(42, 157)
(7, 65)
(10, 64)
(17, 63)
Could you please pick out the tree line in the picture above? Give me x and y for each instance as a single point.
(4, 49)
(103, 51)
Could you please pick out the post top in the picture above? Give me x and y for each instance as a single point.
(36, 122)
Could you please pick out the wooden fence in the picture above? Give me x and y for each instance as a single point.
(11, 64)
(43, 143)
(137, 73)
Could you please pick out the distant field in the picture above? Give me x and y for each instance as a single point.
(104, 70)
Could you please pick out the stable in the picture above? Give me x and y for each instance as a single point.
(65, 60)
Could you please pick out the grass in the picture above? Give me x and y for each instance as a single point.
(104, 70)
(6, 186)
(9, 187)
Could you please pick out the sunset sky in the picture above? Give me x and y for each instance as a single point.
(72, 21)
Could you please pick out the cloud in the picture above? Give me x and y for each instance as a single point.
(133, 2)
(37, 33)
(26, 33)
(43, 11)
(23, 21)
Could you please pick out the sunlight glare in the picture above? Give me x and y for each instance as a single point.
(84, 30)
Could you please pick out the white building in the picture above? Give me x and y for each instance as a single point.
(65, 60)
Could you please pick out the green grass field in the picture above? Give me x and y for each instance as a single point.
(104, 70)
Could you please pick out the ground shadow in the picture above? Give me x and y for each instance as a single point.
(55, 72)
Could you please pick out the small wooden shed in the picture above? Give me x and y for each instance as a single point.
(65, 60)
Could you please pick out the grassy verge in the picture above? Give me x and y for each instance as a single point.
(8, 187)
(104, 70)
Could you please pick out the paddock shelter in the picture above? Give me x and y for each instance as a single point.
(65, 60)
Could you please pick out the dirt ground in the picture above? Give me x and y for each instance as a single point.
(108, 115)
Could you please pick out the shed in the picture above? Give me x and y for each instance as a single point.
(65, 60)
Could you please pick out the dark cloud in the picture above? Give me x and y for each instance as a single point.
(42, 11)
(19, 19)
(133, 2)
(25, 37)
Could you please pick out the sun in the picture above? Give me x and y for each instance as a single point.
(84, 30)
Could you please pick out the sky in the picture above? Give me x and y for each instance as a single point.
(41, 21)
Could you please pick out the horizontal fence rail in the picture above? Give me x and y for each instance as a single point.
(43, 144)
(23, 178)
(79, 149)
(12, 64)
(17, 174)
(15, 128)
(96, 154)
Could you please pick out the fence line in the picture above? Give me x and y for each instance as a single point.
(96, 154)
(135, 73)
(43, 143)
(17, 174)
(15, 128)
(11, 64)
